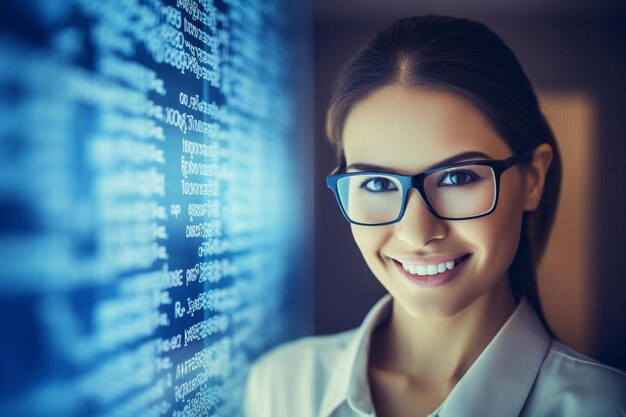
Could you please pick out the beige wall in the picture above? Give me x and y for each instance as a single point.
(565, 274)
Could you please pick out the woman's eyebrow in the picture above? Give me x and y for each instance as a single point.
(359, 166)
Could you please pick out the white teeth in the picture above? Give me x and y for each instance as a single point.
(428, 269)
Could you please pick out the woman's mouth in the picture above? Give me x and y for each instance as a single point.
(433, 274)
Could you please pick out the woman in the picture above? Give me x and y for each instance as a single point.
(449, 176)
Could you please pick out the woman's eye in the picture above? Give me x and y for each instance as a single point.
(377, 184)
(458, 177)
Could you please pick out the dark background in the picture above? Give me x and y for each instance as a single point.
(562, 45)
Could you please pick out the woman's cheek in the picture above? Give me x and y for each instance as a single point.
(370, 241)
(497, 235)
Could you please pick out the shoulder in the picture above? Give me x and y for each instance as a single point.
(573, 369)
(291, 377)
(570, 383)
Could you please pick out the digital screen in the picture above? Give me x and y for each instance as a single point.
(153, 217)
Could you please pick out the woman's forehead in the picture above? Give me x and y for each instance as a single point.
(401, 127)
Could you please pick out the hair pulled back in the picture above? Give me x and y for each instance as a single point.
(466, 58)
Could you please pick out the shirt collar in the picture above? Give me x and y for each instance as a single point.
(349, 380)
(497, 383)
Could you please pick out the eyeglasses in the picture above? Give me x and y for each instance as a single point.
(460, 191)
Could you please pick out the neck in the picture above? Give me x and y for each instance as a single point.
(438, 353)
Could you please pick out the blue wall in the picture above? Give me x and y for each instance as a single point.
(153, 216)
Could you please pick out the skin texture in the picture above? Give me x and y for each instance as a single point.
(435, 334)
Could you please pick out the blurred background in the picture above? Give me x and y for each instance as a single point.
(574, 55)
(147, 257)
(164, 219)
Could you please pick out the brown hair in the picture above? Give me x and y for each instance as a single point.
(468, 59)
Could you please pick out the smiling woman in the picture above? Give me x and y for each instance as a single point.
(449, 176)
(427, 127)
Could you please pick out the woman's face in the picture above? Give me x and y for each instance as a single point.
(409, 131)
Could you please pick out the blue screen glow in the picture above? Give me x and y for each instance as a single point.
(152, 213)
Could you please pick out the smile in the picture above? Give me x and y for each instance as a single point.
(428, 275)
(432, 269)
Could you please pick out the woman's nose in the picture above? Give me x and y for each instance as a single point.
(418, 225)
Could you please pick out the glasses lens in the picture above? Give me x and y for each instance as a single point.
(370, 199)
(465, 191)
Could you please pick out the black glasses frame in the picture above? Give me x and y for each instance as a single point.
(417, 181)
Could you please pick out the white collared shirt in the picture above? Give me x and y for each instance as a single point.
(522, 372)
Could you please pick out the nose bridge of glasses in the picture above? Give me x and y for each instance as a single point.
(417, 184)
(414, 195)
(418, 224)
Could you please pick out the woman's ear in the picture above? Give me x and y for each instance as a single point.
(535, 175)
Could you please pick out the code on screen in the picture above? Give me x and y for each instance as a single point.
(152, 213)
